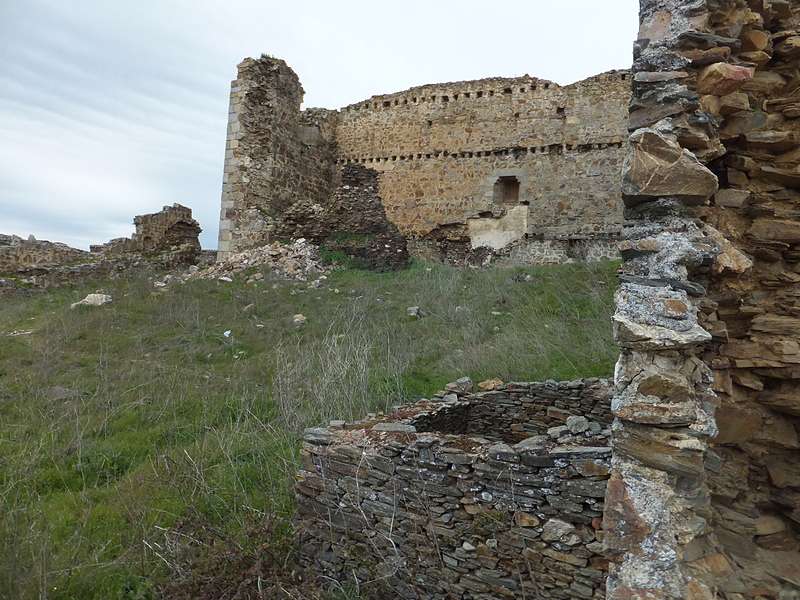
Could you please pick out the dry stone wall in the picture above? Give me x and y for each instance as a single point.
(436, 501)
(704, 489)
(520, 168)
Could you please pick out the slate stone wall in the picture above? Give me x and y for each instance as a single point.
(436, 502)
(704, 489)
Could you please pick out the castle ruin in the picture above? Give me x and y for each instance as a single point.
(702, 499)
(515, 167)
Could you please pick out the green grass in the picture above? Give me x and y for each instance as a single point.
(167, 468)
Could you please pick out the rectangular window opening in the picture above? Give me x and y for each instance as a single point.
(506, 189)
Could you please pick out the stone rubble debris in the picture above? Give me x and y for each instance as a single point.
(93, 300)
(299, 260)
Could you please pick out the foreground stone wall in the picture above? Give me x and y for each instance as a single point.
(436, 502)
(513, 167)
(703, 496)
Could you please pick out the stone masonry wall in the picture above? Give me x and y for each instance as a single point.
(435, 502)
(512, 167)
(274, 156)
(441, 148)
(704, 489)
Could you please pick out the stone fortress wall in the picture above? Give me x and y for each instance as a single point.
(444, 152)
(520, 167)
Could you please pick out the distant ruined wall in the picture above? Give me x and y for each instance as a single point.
(519, 167)
(705, 485)
(171, 228)
(167, 239)
(17, 254)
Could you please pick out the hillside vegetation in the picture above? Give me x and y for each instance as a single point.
(148, 447)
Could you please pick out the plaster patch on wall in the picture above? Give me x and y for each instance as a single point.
(497, 233)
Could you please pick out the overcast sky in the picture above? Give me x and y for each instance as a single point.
(115, 108)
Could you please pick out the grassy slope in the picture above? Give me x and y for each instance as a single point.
(178, 447)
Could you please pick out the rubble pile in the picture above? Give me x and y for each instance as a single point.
(299, 260)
